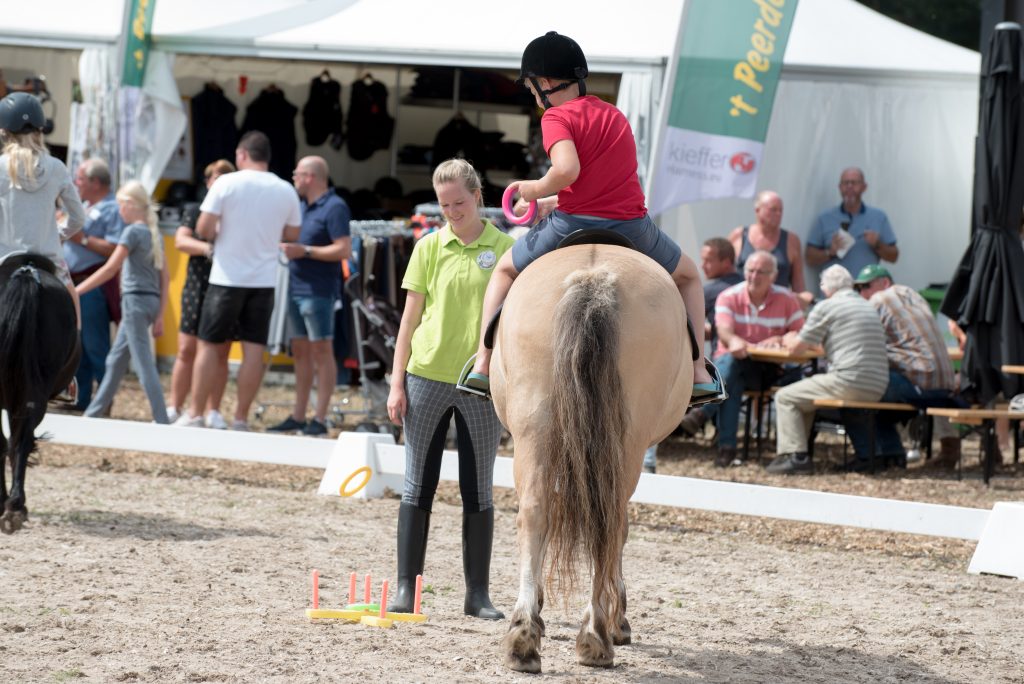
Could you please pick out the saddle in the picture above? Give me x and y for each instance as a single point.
(589, 236)
(16, 260)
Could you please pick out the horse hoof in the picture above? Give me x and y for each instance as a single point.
(592, 651)
(624, 635)
(530, 665)
(12, 521)
(522, 645)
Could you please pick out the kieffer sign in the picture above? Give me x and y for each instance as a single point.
(714, 122)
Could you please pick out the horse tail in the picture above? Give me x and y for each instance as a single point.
(19, 366)
(586, 509)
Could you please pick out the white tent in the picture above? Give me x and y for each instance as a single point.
(856, 89)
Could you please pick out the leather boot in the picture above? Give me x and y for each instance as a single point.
(413, 524)
(477, 537)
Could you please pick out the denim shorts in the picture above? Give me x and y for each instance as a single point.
(311, 317)
(642, 232)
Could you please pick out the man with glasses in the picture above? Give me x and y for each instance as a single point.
(314, 278)
(872, 237)
(752, 313)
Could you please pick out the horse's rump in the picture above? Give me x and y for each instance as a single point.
(591, 365)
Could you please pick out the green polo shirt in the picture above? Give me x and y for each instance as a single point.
(453, 277)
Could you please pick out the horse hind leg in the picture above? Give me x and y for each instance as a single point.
(594, 642)
(621, 632)
(22, 444)
(522, 642)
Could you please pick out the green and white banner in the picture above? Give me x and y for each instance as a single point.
(723, 81)
(139, 22)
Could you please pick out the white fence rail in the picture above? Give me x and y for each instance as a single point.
(386, 461)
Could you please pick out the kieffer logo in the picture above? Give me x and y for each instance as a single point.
(742, 162)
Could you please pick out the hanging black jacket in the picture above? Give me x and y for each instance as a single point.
(214, 134)
(272, 114)
(369, 124)
(322, 115)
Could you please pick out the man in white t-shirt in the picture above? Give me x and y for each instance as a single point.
(248, 214)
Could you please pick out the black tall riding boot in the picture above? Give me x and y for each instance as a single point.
(477, 536)
(413, 524)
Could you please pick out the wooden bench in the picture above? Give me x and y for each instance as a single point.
(872, 408)
(986, 418)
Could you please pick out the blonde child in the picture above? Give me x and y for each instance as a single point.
(140, 259)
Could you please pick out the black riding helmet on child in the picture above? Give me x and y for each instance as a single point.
(556, 57)
(22, 113)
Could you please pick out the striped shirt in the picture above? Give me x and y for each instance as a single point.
(847, 326)
(913, 341)
(780, 313)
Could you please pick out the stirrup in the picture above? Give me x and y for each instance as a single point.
(465, 377)
(717, 393)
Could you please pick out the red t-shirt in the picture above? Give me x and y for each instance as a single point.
(607, 186)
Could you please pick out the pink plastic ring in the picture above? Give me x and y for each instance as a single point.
(506, 204)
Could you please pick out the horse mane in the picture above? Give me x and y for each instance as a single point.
(587, 514)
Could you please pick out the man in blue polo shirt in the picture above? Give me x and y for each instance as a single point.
(84, 255)
(314, 263)
(873, 239)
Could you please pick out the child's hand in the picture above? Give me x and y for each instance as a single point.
(528, 191)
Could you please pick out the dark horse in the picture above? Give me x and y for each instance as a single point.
(39, 353)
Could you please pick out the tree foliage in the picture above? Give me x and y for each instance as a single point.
(958, 21)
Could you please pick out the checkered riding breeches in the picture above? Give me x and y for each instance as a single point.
(431, 406)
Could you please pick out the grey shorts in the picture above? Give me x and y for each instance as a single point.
(546, 235)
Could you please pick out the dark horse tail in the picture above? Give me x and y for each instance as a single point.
(20, 359)
(586, 511)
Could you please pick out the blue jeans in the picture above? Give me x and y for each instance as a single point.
(311, 317)
(887, 439)
(95, 344)
(738, 375)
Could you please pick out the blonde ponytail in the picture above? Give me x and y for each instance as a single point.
(135, 192)
(23, 152)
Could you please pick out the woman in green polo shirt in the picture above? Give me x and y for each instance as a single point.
(446, 280)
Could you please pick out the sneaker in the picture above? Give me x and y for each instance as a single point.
(726, 457)
(791, 464)
(172, 415)
(185, 420)
(693, 422)
(314, 428)
(239, 425)
(69, 395)
(288, 425)
(215, 420)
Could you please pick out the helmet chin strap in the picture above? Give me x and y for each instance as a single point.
(544, 93)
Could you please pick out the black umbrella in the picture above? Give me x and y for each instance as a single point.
(986, 296)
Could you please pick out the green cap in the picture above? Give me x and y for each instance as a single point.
(872, 272)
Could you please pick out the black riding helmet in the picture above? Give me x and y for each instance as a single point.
(554, 56)
(22, 113)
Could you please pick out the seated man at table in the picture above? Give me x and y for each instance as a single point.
(920, 371)
(755, 312)
(854, 342)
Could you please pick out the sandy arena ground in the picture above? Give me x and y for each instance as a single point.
(139, 567)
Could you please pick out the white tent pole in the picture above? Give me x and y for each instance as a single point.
(665, 105)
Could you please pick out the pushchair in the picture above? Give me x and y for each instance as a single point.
(375, 327)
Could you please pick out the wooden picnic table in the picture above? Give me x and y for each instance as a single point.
(782, 355)
(955, 353)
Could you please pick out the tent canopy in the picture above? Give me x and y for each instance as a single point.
(827, 34)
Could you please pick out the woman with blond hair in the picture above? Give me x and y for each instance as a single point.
(140, 259)
(446, 278)
(31, 184)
